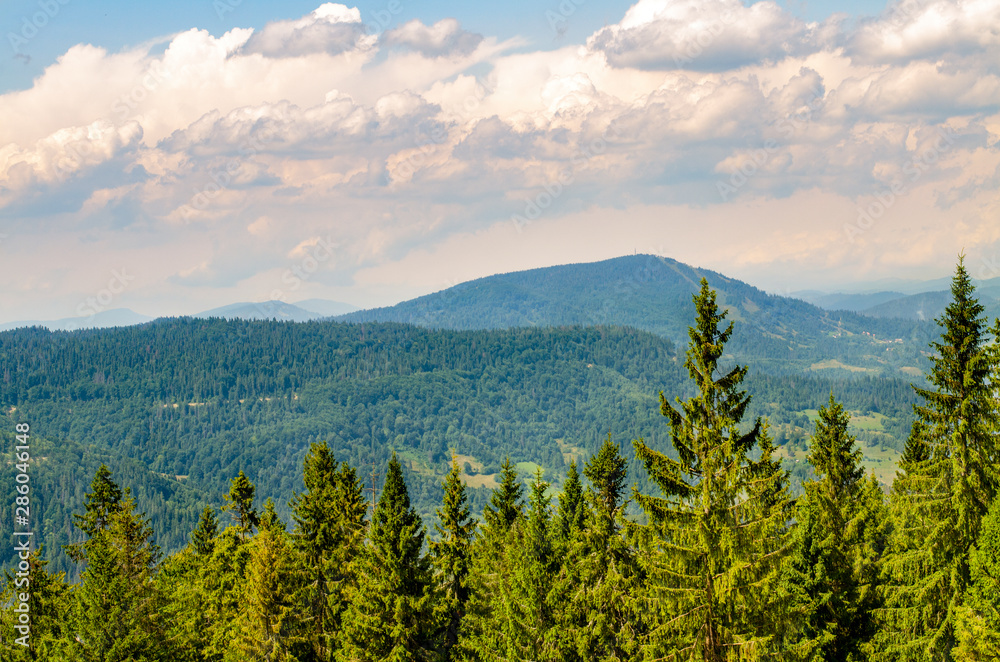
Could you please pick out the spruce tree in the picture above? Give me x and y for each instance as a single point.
(506, 504)
(202, 538)
(572, 508)
(717, 534)
(390, 616)
(268, 618)
(270, 519)
(833, 570)
(239, 501)
(116, 613)
(595, 617)
(48, 604)
(944, 490)
(523, 611)
(979, 617)
(451, 554)
(329, 533)
(495, 554)
(221, 577)
(101, 503)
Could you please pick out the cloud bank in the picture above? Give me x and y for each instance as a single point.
(429, 154)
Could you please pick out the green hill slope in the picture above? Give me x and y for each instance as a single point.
(647, 292)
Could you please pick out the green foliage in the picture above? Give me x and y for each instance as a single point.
(47, 605)
(944, 489)
(451, 554)
(268, 617)
(329, 533)
(572, 508)
(219, 592)
(391, 608)
(720, 530)
(115, 615)
(978, 620)
(202, 538)
(652, 293)
(176, 408)
(596, 617)
(505, 506)
(832, 573)
(239, 502)
(702, 567)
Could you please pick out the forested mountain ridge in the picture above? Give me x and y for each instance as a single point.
(711, 556)
(204, 399)
(778, 334)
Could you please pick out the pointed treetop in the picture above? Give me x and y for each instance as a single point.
(394, 493)
(607, 472)
(102, 502)
(833, 453)
(707, 339)
(203, 536)
(239, 501)
(269, 520)
(505, 505)
(539, 518)
(318, 467)
(572, 509)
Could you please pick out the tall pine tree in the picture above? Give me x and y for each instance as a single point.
(268, 617)
(945, 489)
(391, 612)
(599, 573)
(116, 611)
(239, 501)
(495, 554)
(832, 573)
(719, 532)
(451, 554)
(329, 533)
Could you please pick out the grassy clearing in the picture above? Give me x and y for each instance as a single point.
(476, 465)
(571, 453)
(416, 462)
(831, 364)
(481, 480)
(527, 468)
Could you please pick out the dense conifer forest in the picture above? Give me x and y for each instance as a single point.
(178, 407)
(674, 527)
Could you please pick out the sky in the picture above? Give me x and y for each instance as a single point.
(174, 157)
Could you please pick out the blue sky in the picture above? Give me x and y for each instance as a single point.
(312, 150)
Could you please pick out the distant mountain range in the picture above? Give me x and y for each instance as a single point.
(302, 311)
(103, 320)
(652, 293)
(925, 305)
(265, 310)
